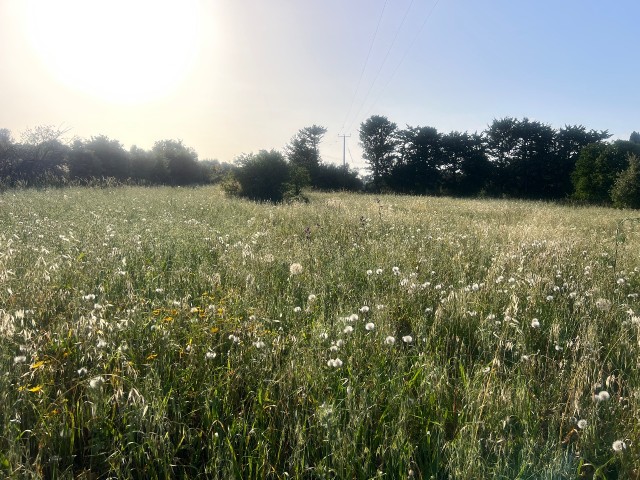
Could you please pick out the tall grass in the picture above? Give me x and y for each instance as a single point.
(155, 333)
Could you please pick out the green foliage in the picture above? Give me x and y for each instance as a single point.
(181, 162)
(626, 189)
(329, 177)
(304, 148)
(263, 177)
(378, 140)
(597, 169)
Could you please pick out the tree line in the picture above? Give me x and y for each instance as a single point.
(42, 158)
(515, 158)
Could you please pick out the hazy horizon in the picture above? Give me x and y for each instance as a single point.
(236, 77)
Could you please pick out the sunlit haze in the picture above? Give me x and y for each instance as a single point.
(228, 76)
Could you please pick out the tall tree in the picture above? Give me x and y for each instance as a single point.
(304, 148)
(416, 169)
(41, 155)
(181, 162)
(598, 167)
(378, 141)
(568, 143)
(626, 189)
(114, 159)
(522, 154)
(464, 167)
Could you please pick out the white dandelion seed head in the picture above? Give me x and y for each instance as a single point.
(603, 304)
(369, 272)
(333, 348)
(407, 339)
(396, 270)
(379, 271)
(19, 359)
(210, 355)
(535, 323)
(389, 340)
(324, 336)
(312, 298)
(335, 363)
(364, 309)
(353, 317)
(295, 269)
(82, 371)
(549, 298)
(369, 326)
(101, 343)
(582, 424)
(340, 342)
(619, 446)
(297, 309)
(348, 329)
(96, 382)
(602, 396)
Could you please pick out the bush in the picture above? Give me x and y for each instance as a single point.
(626, 190)
(263, 176)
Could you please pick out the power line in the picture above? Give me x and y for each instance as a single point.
(384, 61)
(366, 62)
(404, 55)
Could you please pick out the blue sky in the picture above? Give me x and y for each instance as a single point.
(230, 77)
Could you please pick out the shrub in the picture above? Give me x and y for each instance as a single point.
(263, 176)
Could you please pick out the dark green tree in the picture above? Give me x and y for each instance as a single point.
(181, 162)
(114, 159)
(626, 189)
(263, 176)
(464, 167)
(8, 158)
(568, 143)
(83, 163)
(597, 169)
(334, 178)
(304, 148)
(41, 156)
(378, 140)
(416, 169)
(634, 137)
(522, 153)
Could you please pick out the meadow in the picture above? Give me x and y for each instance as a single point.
(177, 333)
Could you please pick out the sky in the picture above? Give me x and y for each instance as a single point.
(236, 76)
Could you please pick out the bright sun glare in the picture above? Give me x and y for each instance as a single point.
(120, 51)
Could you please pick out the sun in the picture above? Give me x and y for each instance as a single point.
(120, 51)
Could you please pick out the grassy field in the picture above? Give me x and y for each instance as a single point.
(176, 333)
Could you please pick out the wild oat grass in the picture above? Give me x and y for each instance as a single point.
(156, 333)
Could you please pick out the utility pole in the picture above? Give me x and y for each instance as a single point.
(344, 149)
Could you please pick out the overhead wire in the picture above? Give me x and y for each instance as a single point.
(384, 61)
(366, 62)
(404, 55)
